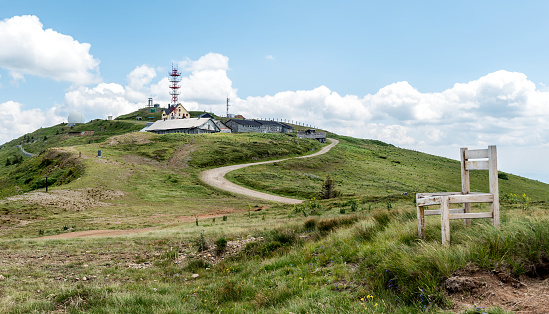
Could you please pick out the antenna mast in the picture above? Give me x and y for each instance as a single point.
(175, 78)
(228, 107)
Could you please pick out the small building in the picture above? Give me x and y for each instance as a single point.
(223, 127)
(188, 126)
(261, 126)
(206, 115)
(311, 133)
(175, 112)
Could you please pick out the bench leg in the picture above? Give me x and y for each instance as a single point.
(445, 220)
(467, 209)
(494, 208)
(421, 221)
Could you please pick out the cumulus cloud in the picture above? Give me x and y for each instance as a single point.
(99, 101)
(503, 108)
(28, 48)
(208, 82)
(204, 86)
(137, 89)
(17, 121)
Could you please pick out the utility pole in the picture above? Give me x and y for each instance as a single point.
(227, 107)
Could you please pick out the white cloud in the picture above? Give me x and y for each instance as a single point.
(205, 88)
(99, 101)
(17, 121)
(137, 89)
(503, 108)
(211, 61)
(269, 57)
(28, 48)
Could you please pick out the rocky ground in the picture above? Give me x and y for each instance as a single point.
(482, 289)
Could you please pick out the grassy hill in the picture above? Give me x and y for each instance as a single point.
(358, 252)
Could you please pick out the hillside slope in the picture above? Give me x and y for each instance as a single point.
(204, 250)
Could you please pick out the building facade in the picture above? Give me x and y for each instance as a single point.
(261, 126)
(175, 112)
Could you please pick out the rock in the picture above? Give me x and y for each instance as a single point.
(2, 277)
(194, 276)
(457, 284)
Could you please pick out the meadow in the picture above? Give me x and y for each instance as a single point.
(205, 250)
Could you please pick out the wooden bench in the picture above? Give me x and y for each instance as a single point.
(478, 159)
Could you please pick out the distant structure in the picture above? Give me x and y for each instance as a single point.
(312, 133)
(188, 126)
(150, 104)
(175, 78)
(261, 126)
(175, 110)
(228, 107)
(75, 117)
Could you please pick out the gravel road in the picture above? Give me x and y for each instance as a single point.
(216, 178)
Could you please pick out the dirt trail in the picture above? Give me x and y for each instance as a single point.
(96, 233)
(213, 177)
(216, 178)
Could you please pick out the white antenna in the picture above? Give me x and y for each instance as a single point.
(228, 106)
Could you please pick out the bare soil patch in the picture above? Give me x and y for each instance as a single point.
(483, 289)
(130, 138)
(96, 233)
(72, 200)
(182, 156)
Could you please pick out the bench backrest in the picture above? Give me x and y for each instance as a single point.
(479, 159)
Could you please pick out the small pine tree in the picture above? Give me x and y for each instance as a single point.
(328, 189)
(8, 162)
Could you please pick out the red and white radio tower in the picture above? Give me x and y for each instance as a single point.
(175, 78)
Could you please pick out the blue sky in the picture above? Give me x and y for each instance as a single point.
(426, 75)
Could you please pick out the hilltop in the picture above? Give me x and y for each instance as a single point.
(356, 252)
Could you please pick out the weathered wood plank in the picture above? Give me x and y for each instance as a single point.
(476, 153)
(471, 198)
(493, 180)
(476, 165)
(420, 221)
(470, 215)
(435, 200)
(445, 221)
(432, 212)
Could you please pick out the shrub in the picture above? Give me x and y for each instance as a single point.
(354, 205)
(382, 218)
(220, 245)
(503, 176)
(328, 189)
(196, 264)
(200, 242)
(329, 224)
(310, 224)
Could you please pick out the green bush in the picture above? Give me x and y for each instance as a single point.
(220, 245)
(195, 265)
(310, 224)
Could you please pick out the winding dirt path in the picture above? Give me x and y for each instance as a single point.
(216, 178)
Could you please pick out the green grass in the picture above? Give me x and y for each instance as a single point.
(355, 253)
(371, 171)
